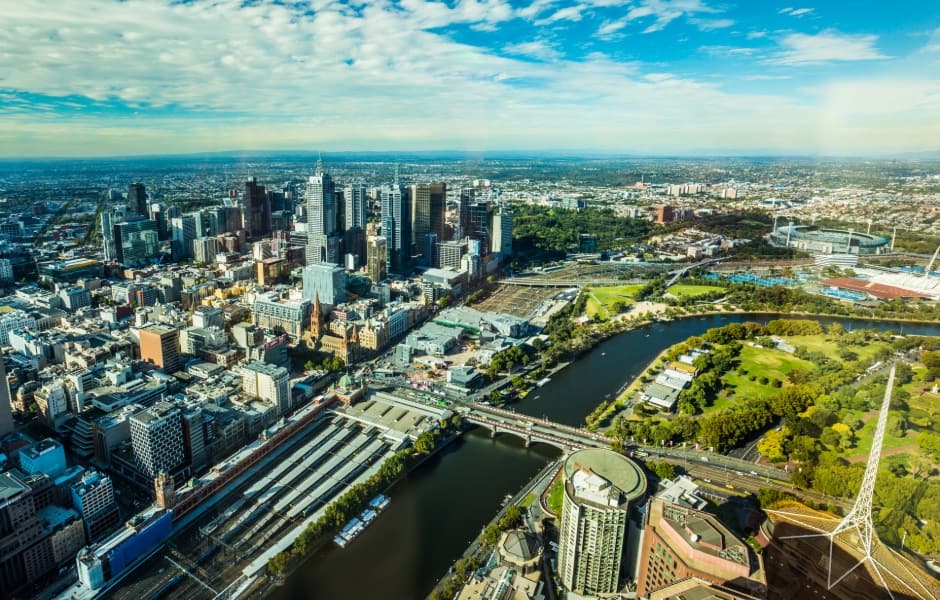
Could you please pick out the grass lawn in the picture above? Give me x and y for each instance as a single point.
(760, 362)
(527, 501)
(555, 497)
(693, 291)
(831, 347)
(865, 435)
(601, 300)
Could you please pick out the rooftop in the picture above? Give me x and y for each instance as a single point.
(10, 487)
(618, 470)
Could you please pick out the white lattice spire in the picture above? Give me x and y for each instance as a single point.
(856, 528)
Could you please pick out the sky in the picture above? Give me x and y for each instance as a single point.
(640, 77)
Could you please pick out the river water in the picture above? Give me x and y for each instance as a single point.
(440, 507)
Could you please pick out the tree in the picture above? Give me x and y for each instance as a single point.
(662, 469)
(773, 446)
(278, 564)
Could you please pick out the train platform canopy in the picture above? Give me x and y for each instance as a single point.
(878, 290)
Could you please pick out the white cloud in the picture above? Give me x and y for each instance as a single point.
(826, 46)
(711, 24)
(727, 51)
(933, 45)
(665, 12)
(569, 13)
(799, 12)
(536, 49)
(608, 29)
(216, 75)
(785, 11)
(756, 35)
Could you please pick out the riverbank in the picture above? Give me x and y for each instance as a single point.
(478, 548)
(312, 548)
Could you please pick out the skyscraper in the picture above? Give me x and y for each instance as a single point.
(428, 206)
(357, 214)
(377, 258)
(599, 486)
(438, 209)
(501, 229)
(322, 242)
(467, 197)
(479, 225)
(137, 199)
(6, 408)
(420, 197)
(135, 241)
(184, 230)
(396, 227)
(256, 204)
(157, 439)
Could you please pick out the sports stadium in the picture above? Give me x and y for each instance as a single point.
(822, 240)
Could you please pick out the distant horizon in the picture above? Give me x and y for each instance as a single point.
(110, 78)
(451, 154)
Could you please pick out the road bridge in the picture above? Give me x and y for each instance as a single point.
(680, 273)
(533, 429)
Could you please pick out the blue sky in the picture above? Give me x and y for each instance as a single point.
(679, 77)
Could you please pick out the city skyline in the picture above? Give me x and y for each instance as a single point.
(680, 77)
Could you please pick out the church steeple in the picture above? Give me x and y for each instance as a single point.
(316, 318)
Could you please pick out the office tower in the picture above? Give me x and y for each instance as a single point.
(157, 439)
(205, 249)
(184, 230)
(158, 215)
(194, 436)
(326, 281)
(6, 408)
(93, 498)
(438, 200)
(396, 227)
(479, 227)
(501, 229)
(665, 214)
(6, 270)
(599, 486)
(420, 196)
(25, 551)
(160, 345)
(256, 205)
(450, 254)
(135, 241)
(107, 236)
(322, 242)
(222, 219)
(429, 251)
(376, 258)
(267, 382)
(137, 200)
(357, 215)
(466, 198)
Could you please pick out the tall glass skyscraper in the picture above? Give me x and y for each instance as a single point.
(396, 227)
(322, 241)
